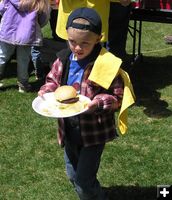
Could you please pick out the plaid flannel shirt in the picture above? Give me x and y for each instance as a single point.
(98, 127)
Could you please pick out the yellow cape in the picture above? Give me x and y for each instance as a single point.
(105, 69)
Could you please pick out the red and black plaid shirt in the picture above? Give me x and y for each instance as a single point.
(98, 127)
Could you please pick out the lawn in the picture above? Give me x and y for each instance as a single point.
(31, 162)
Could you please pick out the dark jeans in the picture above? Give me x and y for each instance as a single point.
(82, 165)
(118, 29)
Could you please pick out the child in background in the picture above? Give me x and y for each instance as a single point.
(20, 29)
(36, 50)
(95, 73)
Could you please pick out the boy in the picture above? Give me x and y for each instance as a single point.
(92, 71)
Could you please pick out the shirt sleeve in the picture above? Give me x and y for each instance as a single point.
(53, 78)
(112, 98)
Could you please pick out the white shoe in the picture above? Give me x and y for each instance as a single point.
(1, 84)
(24, 87)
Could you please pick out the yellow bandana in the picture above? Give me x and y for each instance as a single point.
(105, 69)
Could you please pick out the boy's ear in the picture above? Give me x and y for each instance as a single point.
(99, 39)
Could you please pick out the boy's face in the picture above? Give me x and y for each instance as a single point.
(82, 42)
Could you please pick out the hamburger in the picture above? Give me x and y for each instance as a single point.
(66, 94)
(68, 101)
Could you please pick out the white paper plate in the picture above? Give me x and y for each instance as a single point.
(48, 106)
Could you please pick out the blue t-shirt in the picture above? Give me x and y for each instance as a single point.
(76, 70)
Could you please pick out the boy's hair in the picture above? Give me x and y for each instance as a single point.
(81, 22)
(90, 15)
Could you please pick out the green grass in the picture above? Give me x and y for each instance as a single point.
(31, 162)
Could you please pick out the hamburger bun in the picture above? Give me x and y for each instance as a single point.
(66, 94)
(68, 102)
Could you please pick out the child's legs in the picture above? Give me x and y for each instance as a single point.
(36, 59)
(23, 59)
(6, 51)
(87, 185)
(84, 176)
(69, 168)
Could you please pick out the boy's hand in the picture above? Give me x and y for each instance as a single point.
(41, 93)
(106, 102)
(92, 106)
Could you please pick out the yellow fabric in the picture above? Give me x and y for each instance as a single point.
(128, 100)
(105, 69)
(67, 6)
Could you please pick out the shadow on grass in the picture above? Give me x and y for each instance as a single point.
(131, 193)
(149, 77)
(9, 87)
